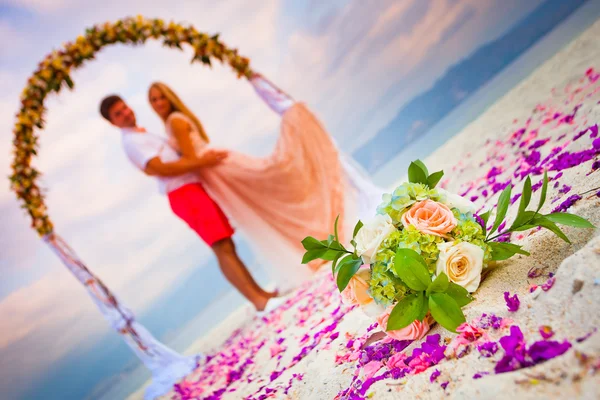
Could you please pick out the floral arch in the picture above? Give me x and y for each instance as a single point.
(52, 74)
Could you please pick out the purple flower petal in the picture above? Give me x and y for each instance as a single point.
(488, 349)
(546, 332)
(487, 321)
(512, 303)
(586, 336)
(534, 273)
(547, 349)
(565, 189)
(479, 220)
(505, 237)
(501, 227)
(549, 283)
(538, 143)
(507, 364)
(514, 199)
(580, 134)
(495, 171)
(434, 375)
(533, 158)
(565, 205)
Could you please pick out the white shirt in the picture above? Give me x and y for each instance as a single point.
(142, 147)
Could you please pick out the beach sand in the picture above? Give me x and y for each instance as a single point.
(293, 352)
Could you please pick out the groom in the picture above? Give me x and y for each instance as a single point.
(177, 179)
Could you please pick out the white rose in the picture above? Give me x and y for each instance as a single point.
(462, 263)
(455, 201)
(369, 237)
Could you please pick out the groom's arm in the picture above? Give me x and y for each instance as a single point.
(184, 165)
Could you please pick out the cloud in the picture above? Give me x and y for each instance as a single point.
(10, 38)
(41, 5)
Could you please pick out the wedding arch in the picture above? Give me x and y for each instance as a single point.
(53, 74)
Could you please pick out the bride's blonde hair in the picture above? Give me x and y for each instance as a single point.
(178, 105)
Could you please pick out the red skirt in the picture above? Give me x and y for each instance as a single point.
(192, 204)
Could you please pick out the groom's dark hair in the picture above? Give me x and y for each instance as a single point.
(107, 103)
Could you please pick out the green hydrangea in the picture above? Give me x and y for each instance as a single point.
(469, 230)
(388, 247)
(384, 287)
(409, 238)
(403, 197)
(424, 244)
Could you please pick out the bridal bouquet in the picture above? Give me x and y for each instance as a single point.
(423, 255)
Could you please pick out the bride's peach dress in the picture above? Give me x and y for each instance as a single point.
(278, 200)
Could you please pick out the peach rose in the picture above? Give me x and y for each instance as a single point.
(356, 291)
(415, 331)
(430, 217)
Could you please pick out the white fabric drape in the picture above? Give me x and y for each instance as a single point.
(363, 196)
(166, 366)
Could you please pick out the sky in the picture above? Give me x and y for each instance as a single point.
(341, 57)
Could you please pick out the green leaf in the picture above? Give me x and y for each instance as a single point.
(523, 218)
(335, 230)
(434, 179)
(422, 166)
(485, 217)
(541, 220)
(503, 251)
(324, 254)
(569, 220)
(334, 264)
(424, 309)
(439, 285)
(446, 311)
(310, 243)
(347, 269)
(343, 260)
(359, 225)
(503, 203)
(459, 294)
(333, 245)
(412, 269)
(525, 196)
(330, 240)
(416, 174)
(523, 227)
(406, 312)
(69, 82)
(544, 191)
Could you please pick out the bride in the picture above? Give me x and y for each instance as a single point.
(275, 201)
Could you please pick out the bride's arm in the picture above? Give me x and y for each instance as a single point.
(181, 130)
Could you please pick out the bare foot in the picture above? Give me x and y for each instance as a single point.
(261, 303)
